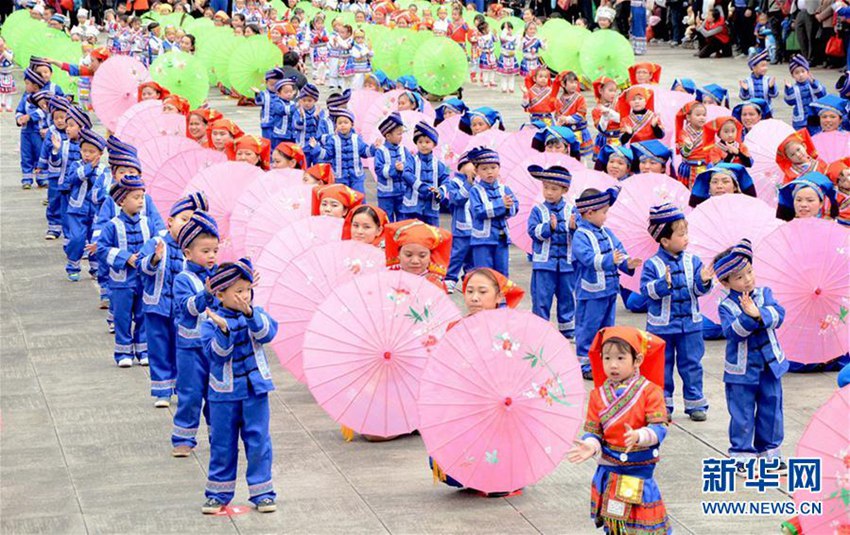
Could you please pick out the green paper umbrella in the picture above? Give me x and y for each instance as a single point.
(407, 52)
(346, 17)
(17, 26)
(606, 53)
(563, 48)
(309, 9)
(249, 63)
(386, 55)
(182, 74)
(440, 66)
(212, 45)
(196, 26)
(41, 43)
(278, 6)
(553, 27)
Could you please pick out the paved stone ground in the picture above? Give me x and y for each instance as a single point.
(84, 451)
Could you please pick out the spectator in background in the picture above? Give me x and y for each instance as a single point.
(773, 8)
(743, 23)
(713, 35)
(293, 68)
(806, 26)
(676, 13)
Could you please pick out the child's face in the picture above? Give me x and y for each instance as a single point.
(170, 108)
(121, 172)
(488, 172)
(843, 182)
(678, 242)
(728, 132)
(396, 135)
(247, 156)
(556, 145)
(170, 34)
(332, 207)
(596, 217)
(372, 84)
(800, 74)
(404, 103)
(708, 99)
(287, 92)
(541, 78)
(553, 192)
(220, 138)
(617, 167)
(647, 165)
(638, 102)
(721, 184)
(618, 364)
(749, 116)
(30, 87)
(186, 44)
(197, 127)
(604, 23)
(581, 23)
(697, 116)
(59, 119)
(306, 178)
(360, 18)
(424, 145)
(203, 251)
(643, 76)
(307, 103)
(414, 258)
(178, 221)
(45, 72)
(481, 294)
(478, 125)
(234, 295)
(531, 31)
(343, 125)
(89, 153)
(743, 281)
(762, 19)
(42, 105)
(807, 203)
(796, 152)
(72, 129)
(760, 68)
(134, 202)
(149, 93)
(570, 86)
(364, 229)
(829, 121)
(609, 92)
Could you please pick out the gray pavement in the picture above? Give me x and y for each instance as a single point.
(82, 450)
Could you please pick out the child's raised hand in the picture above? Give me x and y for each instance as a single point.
(619, 256)
(134, 258)
(90, 248)
(707, 272)
(630, 437)
(220, 322)
(749, 307)
(787, 83)
(742, 84)
(634, 262)
(255, 89)
(628, 129)
(508, 200)
(56, 140)
(654, 121)
(436, 193)
(244, 305)
(580, 452)
(158, 252)
(379, 142)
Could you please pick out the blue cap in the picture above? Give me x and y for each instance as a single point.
(463, 160)
(31, 76)
(117, 147)
(652, 150)
(194, 201)
(611, 150)
(79, 116)
(408, 81)
(720, 94)
(819, 182)
(491, 116)
(736, 259)
(309, 90)
(483, 155)
(761, 104)
(390, 123)
(453, 104)
(556, 173)
(226, 275)
(36, 61)
(797, 60)
(275, 74)
(121, 188)
(757, 58)
(685, 83)
(339, 100)
(424, 129)
(830, 103)
(560, 133)
(40, 96)
(284, 82)
(597, 201)
(416, 99)
(57, 103)
(92, 138)
(336, 113)
(200, 223)
(662, 215)
(737, 172)
(843, 86)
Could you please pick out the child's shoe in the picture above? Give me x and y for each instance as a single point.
(162, 403)
(781, 470)
(125, 363)
(74, 277)
(143, 361)
(698, 416)
(26, 186)
(50, 235)
(104, 304)
(211, 506)
(266, 505)
(182, 451)
(44, 202)
(110, 327)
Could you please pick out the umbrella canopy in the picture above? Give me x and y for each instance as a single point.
(281, 209)
(134, 112)
(762, 141)
(249, 63)
(114, 88)
(563, 48)
(517, 149)
(151, 124)
(805, 263)
(452, 141)
(492, 138)
(175, 173)
(154, 152)
(606, 53)
(263, 187)
(182, 74)
(367, 345)
(501, 400)
(667, 105)
(440, 66)
(832, 146)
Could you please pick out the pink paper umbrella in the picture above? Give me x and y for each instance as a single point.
(762, 142)
(156, 151)
(827, 437)
(667, 105)
(135, 112)
(265, 186)
(276, 212)
(360, 102)
(289, 242)
(713, 111)
(719, 223)
(629, 217)
(366, 346)
(305, 283)
(114, 88)
(223, 184)
(452, 141)
(517, 149)
(173, 175)
(501, 400)
(383, 105)
(805, 263)
(832, 146)
(491, 139)
(528, 192)
(154, 123)
(589, 178)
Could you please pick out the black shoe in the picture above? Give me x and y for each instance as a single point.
(266, 505)
(587, 376)
(741, 470)
(781, 470)
(211, 506)
(698, 416)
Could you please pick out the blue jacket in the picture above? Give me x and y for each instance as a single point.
(345, 154)
(489, 214)
(283, 114)
(62, 161)
(551, 250)
(593, 255)
(120, 238)
(673, 309)
(312, 125)
(456, 194)
(265, 99)
(43, 165)
(421, 173)
(158, 280)
(189, 303)
(800, 97)
(390, 180)
(751, 345)
(35, 114)
(84, 179)
(108, 209)
(239, 367)
(759, 87)
(54, 88)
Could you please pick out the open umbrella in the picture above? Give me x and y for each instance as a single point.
(261, 188)
(528, 192)
(606, 53)
(114, 88)
(762, 142)
(553, 27)
(563, 48)
(154, 152)
(440, 66)
(827, 437)
(589, 178)
(17, 26)
(667, 105)
(366, 346)
(386, 56)
(407, 52)
(805, 263)
(452, 141)
(832, 146)
(134, 112)
(492, 139)
(172, 176)
(214, 47)
(183, 74)
(517, 149)
(249, 63)
(360, 102)
(153, 123)
(281, 209)
(629, 217)
(721, 222)
(305, 282)
(501, 400)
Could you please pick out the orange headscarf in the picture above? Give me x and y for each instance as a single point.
(512, 292)
(348, 197)
(178, 102)
(712, 128)
(323, 172)
(383, 220)
(293, 151)
(653, 68)
(623, 103)
(649, 345)
(684, 111)
(599, 83)
(436, 240)
(258, 145)
(209, 115)
(163, 92)
(230, 126)
(800, 136)
(835, 168)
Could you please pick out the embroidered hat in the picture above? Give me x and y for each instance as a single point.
(761, 106)
(644, 343)
(121, 188)
(757, 58)
(275, 74)
(836, 168)
(408, 81)
(163, 92)
(178, 102)
(490, 116)
(735, 259)
(597, 201)
(100, 54)
(605, 12)
(309, 90)
(599, 83)
(79, 116)
(624, 107)
(820, 183)
(463, 160)
(92, 138)
(652, 149)
(42, 95)
(424, 129)
(36, 61)
(293, 151)
(662, 215)
(390, 123)
(719, 94)
(336, 113)
(831, 103)
(207, 114)
(483, 155)
(116, 147)
(556, 133)
(339, 100)
(383, 219)
(200, 223)
(609, 151)
(435, 239)
(285, 82)
(711, 129)
(227, 274)
(653, 68)
(556, 173)
(455, 105)
(738, 173)
(687, 84)
(194, 201)
(512, 292)
(57, 103)
(227, 125)
(797, 60)
(800, 136)
(31, 76)
(346, 196)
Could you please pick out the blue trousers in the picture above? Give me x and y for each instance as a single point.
(53, 211)
(392, 206)
(130, 340)
(228, 420)
(491, 256)
(548, 285)
(79, 233)
(268, 133)
(430, 219)
(357, 183)
(461, 258)
(162, 348)
(63, 212)
(30, 150)
(193, 376)
(685, 351)
(755, 417)
(592, 315)
(634, 302)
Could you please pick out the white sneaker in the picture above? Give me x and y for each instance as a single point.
(143, 362)
(162, 403)
(125, 363)
(450, 286)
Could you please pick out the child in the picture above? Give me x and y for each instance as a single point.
(151, 91)
(240, 381)
(56, 108)
(267, 101)
(645, 73)
(199, 241)
(754, 363)
(606, 117)
(638, 121)
(758, 84)
(319, 48)
(288, 156)
(605, 17)
(335, 52)
(765, 40)
(713, 94)
(335, 200)
(390, 160)
(84, 174)
(360, 60)
(410, 100)
(550, 226)
(119, 244)
(284, 110)
(531, 46)
(538, 95)
(424, 177)
(44, 68)
(310, 122)
(616, 161)
(345, 43)
(571, 109)
(161, 261)
(839, 173)
(796, 155)
(7, 81)
(63, 158)
(253, 150)
(597, 255)
(673, 280)
(176, 104)
(365, 224)
(449, 108)
(802, 92)
(480, 120)
(652, 156)
(626, 423)
(487, 59)
(197, 126)
(490, 204)
(684, 85)
(690, 141)
(724, 137)
(27, 117)
(457, 198)
(419, 249)
(557, 139)
(721, 179)
(810, 195)
(831, 112)
(344, 150)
